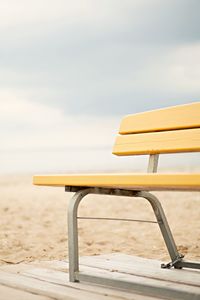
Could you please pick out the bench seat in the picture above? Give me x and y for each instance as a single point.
(133, 181)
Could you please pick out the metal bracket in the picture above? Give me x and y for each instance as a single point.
(153, 163)
(174, 263)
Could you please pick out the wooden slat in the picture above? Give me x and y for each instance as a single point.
(142, 275)
(58, 277)
(7, 293)
(142, 267)
(176, 117)
(134, 181)
(55, 291)
(56, 285)
(56, 272)
(151, 287)
(158, 142)
(142, 284)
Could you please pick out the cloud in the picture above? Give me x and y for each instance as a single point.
(18, 110)
(100, 57)
(112, 81)
(33, 125)
(39, 138)
(141, 20)
(69, 70)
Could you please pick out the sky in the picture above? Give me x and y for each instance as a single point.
(70, 70)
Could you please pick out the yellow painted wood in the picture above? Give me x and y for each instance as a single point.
(176, 117)
(132, 181)
(158, 142)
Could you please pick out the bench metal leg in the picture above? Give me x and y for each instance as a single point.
(176, 257)
(73, 233)
(177, 260)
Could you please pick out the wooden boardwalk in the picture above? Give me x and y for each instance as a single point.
(48, 280)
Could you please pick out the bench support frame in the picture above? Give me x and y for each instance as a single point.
(81, 192)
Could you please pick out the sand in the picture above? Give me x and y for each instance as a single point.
(34, 223)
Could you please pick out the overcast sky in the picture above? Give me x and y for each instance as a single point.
(69, 70)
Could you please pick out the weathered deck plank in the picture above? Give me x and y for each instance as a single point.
(133, 283)
(47, 271)
(8, 293)
(143, 267)
(50, 279)
(55, 291)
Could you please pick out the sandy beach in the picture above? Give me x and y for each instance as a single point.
(34, 223)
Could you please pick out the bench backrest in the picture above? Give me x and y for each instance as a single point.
(170, 130)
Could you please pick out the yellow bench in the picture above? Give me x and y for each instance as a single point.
(171, 130)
